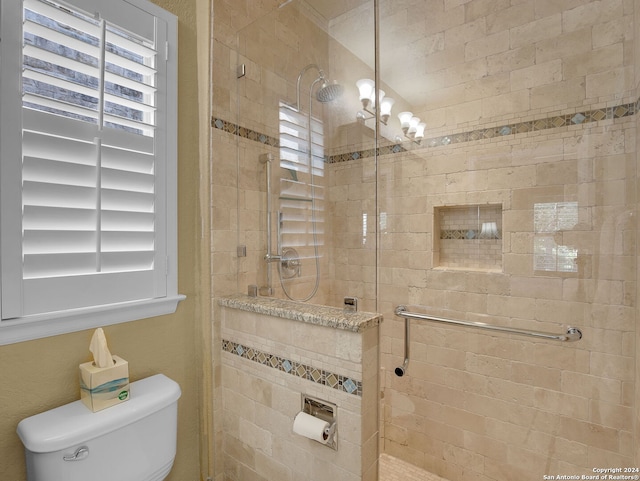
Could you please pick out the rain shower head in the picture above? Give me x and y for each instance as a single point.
(329, 91)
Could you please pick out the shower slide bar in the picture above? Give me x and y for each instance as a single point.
(572, 334)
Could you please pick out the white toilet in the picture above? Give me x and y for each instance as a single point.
(132, 441)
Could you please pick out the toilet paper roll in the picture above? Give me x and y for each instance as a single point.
(311, 427)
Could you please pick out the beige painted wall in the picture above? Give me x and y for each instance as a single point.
(42, 374)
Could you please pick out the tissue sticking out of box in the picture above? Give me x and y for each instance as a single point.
(104, 382)
(101, 355)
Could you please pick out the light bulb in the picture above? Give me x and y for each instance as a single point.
(366, 88)
(385, 107)
(420, 130)
(413, 125)
(405, 119)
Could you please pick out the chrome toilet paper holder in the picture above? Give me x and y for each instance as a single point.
(326, 411)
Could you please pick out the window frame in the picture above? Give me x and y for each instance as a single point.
(69, 320)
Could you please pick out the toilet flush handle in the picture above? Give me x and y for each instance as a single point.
(81, 453)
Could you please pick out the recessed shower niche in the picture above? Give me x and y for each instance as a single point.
(468, 237)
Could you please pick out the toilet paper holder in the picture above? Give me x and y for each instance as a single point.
(326, 411)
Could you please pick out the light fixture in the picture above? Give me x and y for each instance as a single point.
(371, 100)
(411, 126)
(378, 103)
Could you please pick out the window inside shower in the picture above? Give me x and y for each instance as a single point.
(300, 199)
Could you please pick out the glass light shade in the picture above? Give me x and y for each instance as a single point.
(420, 130)
(366, 88)
(413, 125)
(405, 119)
(377, 98)
(385, 106)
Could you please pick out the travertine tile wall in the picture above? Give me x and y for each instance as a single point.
(474, 406)
(228, 17)
(491, 407)
(353, 214)
(274, 45)
(262, 397)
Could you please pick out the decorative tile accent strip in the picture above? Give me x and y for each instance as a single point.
(467, 234)
(362, 154)
(579, 118)
(294, 368)
(595, 115)
(243, 132)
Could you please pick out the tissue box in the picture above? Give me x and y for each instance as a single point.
(102, 387)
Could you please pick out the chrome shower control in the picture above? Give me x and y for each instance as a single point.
(290, 264)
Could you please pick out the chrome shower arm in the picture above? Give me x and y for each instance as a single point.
(302, 72)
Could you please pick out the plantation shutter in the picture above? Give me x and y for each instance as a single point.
(297, 187)
(92, 172)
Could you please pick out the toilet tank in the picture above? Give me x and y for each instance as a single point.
(131, 441)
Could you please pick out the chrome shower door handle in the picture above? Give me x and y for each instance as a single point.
(279, 233)
(81, 453)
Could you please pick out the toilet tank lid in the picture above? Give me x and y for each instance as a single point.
(75, 423)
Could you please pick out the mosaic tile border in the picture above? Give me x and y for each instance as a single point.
(553, 122)
(245, 133)
(249, 134)
(466, 234)
(362, 154)
(294, 368)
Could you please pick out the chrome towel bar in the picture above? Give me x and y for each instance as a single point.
(572, 334)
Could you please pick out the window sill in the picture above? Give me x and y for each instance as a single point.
(63, 322)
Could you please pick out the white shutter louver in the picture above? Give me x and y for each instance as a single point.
(89, 163)
(296, 187)
(87, 69)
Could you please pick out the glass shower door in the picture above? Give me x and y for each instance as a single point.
(314, 219)
(516, 208)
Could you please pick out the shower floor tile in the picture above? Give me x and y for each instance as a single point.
(394, 469)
